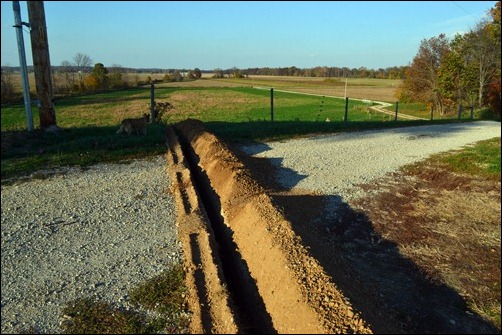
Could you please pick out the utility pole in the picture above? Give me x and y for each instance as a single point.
(42, 64)
(18, 24)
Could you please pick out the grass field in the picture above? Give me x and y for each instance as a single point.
(231, 108)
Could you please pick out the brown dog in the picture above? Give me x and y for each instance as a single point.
(134, 126)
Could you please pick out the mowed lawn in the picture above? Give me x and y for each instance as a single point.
(89, 123)
(240, 104)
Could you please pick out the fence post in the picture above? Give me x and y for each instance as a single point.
(395, 117)
(459, 111)
(152, 102)
(472, 112)
(271, 104)
(432, 113)
(346, 109)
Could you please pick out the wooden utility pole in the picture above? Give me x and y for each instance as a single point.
(41, 63)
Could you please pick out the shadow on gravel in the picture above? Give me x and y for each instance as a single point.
(390, 291)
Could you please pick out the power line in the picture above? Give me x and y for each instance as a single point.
(462, 8)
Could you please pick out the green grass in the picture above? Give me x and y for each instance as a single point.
(85, 146)
(481, 159)
(163, 294)
(250, 104)
(88, 123)
(414, 109)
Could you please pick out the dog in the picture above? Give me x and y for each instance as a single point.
(134, 126)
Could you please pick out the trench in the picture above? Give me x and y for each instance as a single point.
(251, 314)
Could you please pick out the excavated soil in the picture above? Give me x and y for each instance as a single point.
(263, 277)
(257, 263)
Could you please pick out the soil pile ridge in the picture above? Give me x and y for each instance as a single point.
(269, 263)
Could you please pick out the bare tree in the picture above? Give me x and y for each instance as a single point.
(68, 71)
(81, 62)
(115, 68)
(7, 86)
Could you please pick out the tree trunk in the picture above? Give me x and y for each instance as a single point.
(481, 84)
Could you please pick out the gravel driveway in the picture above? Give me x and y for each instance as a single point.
(83, 233)
(335, 164)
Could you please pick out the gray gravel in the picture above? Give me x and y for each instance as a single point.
(335, 164)
(83, 233)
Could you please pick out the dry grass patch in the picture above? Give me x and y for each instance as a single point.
(196, 103)
(448, 224)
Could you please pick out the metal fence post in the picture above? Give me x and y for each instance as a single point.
(395, 117)
(22, 62)
(346, 109)
(152, 102)
(271, 104)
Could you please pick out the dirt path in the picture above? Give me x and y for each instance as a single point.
(380, 107)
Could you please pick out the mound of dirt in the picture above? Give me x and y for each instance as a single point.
(274, 283)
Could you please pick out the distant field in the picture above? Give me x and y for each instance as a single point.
(357, 88)
(129, 77)
(368, 89)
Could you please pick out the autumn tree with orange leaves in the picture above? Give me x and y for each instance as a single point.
(464, 70)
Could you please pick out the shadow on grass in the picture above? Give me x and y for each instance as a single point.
(392, 292)
(25, 152)
(267, 130)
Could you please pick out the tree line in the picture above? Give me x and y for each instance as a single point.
(80, 76)
(394, 72)
(465, 70)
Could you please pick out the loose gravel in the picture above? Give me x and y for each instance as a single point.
(336, 164)
(83, 233)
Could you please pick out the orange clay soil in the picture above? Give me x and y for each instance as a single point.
(247, 270)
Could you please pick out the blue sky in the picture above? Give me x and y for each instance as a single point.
(224, 34)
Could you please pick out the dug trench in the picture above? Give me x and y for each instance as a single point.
(257, 261)
(247, 270)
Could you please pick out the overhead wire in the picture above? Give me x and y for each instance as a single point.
(463, 9)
